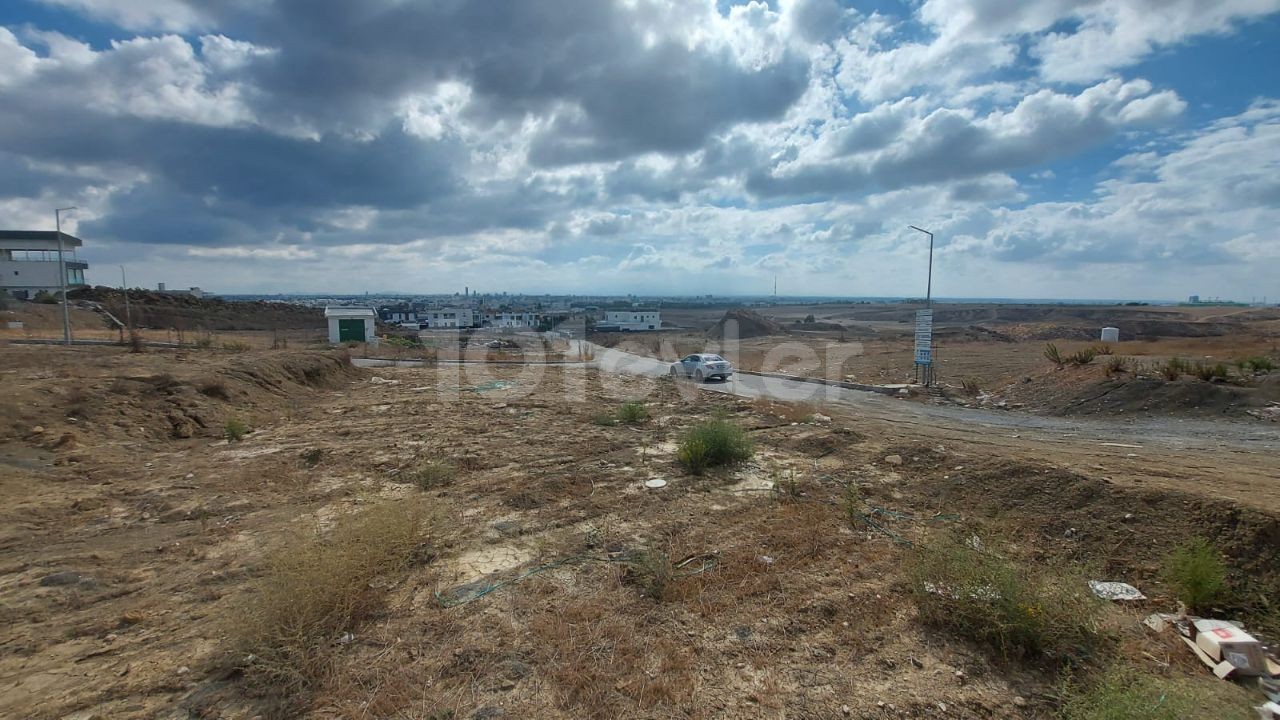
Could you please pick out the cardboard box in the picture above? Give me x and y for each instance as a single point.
(1225, 642)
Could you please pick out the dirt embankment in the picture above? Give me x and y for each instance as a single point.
(68, 398)
(184, 312)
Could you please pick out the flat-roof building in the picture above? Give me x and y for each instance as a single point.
(29, 262)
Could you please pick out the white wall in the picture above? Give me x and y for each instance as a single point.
(30, 274)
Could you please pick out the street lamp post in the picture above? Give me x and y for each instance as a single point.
(62, 274)
(928, 291)
(124, 287)
(924, 322)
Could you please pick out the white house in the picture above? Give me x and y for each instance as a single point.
(29, 262)
(512, 319)
(631, 320)
(437, 318)
(351, 324)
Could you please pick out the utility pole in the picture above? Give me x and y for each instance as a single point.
(924, 322)
(62, 274)
(128, 316)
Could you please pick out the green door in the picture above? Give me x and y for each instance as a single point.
(350, 330)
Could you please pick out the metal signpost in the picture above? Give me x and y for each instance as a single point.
(924, 347)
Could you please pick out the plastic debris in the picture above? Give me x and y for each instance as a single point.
(1115, 590)
(655, 483)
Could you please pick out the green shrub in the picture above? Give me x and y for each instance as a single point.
(652, 572)
(1053, 354)
(45, 297)
(204, 342)
(1208, 372)
(1128, 693)
(1196, 573)
(1257, 364)
(1082, 357)
(235, 429)
(402, 342)
(1103, 349)
(1017, 612)
(712, 444)
(633, 412)
(236, 346)
(433, 473)
(1173, 368)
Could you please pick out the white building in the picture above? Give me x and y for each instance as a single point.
(512, 319)
(351, 324)
(29, 262)
(632, 320)
(443, 318)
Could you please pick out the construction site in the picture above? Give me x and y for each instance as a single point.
(225, 530)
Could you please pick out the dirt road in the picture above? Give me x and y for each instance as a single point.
(1237, 457)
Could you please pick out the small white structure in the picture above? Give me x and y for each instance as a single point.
(351, 324)
(632, 320)
(1110, 334)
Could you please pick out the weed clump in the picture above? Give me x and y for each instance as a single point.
(236, 346)
(633, 413)
(712, 444)
(315, 587)
(652, 572)
(433, 474)
(1196, 572)
(989, 599)
(1257, 365)
(1173, 368)
(1207, 372)
(1124, 693)
(1115, 365)
(1053, 354)
(235, 429)
(1082, 357)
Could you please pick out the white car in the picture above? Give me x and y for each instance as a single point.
(703, 366)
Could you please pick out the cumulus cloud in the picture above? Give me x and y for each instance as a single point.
(611, 142)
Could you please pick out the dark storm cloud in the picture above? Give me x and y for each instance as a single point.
(613, 93)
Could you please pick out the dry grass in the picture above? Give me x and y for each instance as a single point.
(314, 587)
(432, 474)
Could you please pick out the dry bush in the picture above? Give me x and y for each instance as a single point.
(970, 388)
(1115, 364)
(1173, 368)
(214, 388)
(236, 346)
(1082, 357)
(314, 587)
(136, 343)
(432, 474)
(1019, 613)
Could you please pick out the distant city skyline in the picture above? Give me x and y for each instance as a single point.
(1124, 149)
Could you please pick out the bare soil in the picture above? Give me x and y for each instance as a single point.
(128, 548)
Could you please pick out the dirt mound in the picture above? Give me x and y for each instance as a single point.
(744, 324)
(1130, 530)
(184, 312)
(1186, 396)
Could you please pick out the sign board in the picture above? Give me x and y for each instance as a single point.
(924, 337)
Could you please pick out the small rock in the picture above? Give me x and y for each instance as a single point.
(918, 665)
(184, 670)
(345, 638)
(37, 430)
(1129, 517)
(893, 459)
(960, 678)
(1020, 701)
(846, 709)
(507, 528)
(1071, 533)
(64, 577)
(488, 713)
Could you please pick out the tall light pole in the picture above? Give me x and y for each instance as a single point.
(124, 287)
(62, 274)
(928, 292)
(924, 322)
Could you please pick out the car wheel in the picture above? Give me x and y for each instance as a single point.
(673, 372)
(697, 375)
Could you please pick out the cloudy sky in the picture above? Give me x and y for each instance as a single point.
(1058, 148)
